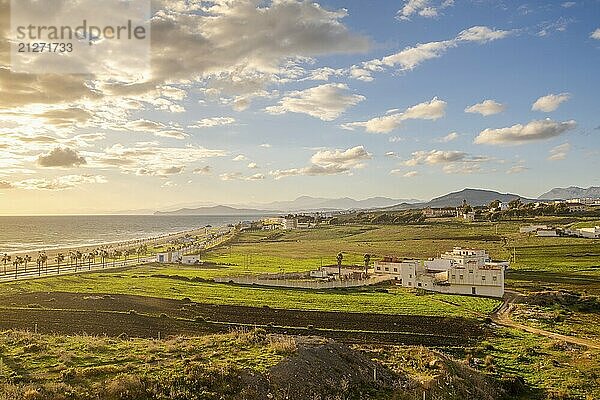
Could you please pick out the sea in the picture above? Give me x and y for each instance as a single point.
(35, 233)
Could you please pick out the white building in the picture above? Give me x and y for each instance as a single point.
(169, 257)
(460, 271)
(532, 228)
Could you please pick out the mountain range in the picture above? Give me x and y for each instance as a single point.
(474, 197)
(572, 192)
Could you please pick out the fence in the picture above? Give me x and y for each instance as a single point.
(302, 284)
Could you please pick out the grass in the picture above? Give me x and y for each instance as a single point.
(138, 281)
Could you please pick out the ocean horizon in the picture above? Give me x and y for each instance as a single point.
(35, 233)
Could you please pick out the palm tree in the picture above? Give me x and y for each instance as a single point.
(116, 254)
(91, 256)
(367, 261)
(18, 261)
(60, 257)
(78, 257)
(39, 262)
(5, 259)
(26, 260)
(339, 258)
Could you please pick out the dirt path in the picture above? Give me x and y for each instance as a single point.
(502, 317)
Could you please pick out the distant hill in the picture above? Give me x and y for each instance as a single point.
(308, 203)
(572, 192)
(215, 210)
(474, 197)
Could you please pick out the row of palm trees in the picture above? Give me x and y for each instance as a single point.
(76, 259)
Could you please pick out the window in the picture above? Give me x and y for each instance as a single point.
(494, 278)
(483, 278)
(454, 276)
(461, 276)
(470, 271)
(409, 283)
(387, 269)
(401, 281)
(473, 290)
(378, 268)
(419, 284)
(410, 275)
(395, 269)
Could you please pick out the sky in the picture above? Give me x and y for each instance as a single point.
(252, 101)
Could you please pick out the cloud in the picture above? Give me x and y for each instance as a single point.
(60, 183)
(519, 134)
(559, 152)
(409, 174)
(329, 162)
(435, 157)
(326, 102)
(61, 157)
(448, 138)
(6, 185)
(411, 57)
(452, 162)
(431, 110)
(517, 169)
(568, 4)
(560, 25)
(266, 146)
(486, 107)
(150, 158)
(424, 8)
(240, 157)
(205, 170)
(213, 122)
(156, 128)
(550, 102)
(595, 34)
(252, 165)
(238, 176)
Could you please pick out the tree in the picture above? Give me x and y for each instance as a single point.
(26, 260)
(5, 259)
(60, 257)
(18, 261)
(39, 262)
(340, 258)
(515, 204)
(91, 256)
(494, 205)
(78, 258)
(367, 261)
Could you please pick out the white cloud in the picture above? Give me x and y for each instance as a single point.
(448, 138)
(409, 174)
(560, 25)
(326, 102)
(595, 34)
(431, 110)
(240, 157)
(213, 122)
(150, 158)
(411, 57)
(266, 146)
(559, 152)
(550, 102)
(59, 183)
(517, 169)
(435, 157)
(568, 4)
(462, 168)
(424, 8)
(253, 165)
(238, 176)
(486, 107)
(519, 134)
(329, 162)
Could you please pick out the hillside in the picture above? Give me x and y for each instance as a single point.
(215, 210)
(304, 203)
(474, 197)
(571, 192)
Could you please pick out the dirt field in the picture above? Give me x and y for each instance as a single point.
(139, 316)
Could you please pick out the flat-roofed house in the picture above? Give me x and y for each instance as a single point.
(460, 271)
